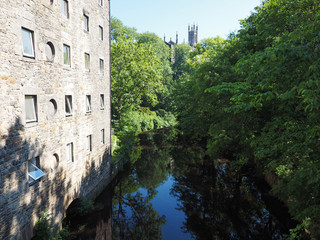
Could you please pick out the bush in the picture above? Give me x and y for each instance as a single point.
(43, 227)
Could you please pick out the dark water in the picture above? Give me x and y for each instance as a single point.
(175, 191)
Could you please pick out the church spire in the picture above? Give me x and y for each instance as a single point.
(177, 37)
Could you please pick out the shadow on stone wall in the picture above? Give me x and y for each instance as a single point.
(19, 201)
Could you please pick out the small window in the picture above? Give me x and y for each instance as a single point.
(87, 61)
(88, 103)
(100, 2)
(100, 33)
(66, 55)
(31, 108)
(102, 136)
(85, 22)
(89, 143)
(68, 105)
(70, 155)
(50, 51)
(34, 171)
(52, 107)
(65, 8)
(27, 41)
(101, 66)
(101, 101)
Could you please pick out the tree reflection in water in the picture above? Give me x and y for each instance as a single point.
(217, 203)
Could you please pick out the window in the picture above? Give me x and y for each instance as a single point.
(89, 143)
(100, 33)
(68, 105)
(66, 55)
(101, 101)
(34, 171)
(87, 61)
(65, 8)
(100, 2)
(70, 155)
(27, 41)
(31, 108)
(50, 51)
(85, 22)
(102, 136)
(101, 65)
(88, 103)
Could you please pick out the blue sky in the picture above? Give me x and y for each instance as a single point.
(214, 17)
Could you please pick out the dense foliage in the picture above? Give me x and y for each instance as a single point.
(255, 99)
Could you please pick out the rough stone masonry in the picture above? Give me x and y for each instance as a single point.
(55, 108)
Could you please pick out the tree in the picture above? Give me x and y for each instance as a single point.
(119, 31)
(135, 73)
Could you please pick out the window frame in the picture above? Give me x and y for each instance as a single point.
(86, 22)
(31, 42)
(70, 152)
(68, 104)
(100, 2)
(100, 33)
(87, 62)
(88, 104)
(34, 108)
(102, 136)
(101, 101)
(35, 163)
(89, 143)
(68, 52)
(101, 66)
(65, 8)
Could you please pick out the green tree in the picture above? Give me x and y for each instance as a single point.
(135, 74)
(179, 67)
(119, 31)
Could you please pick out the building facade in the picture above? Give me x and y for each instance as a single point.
(192, 35)
(55, 126)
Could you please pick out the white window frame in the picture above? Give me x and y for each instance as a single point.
(65, 8)
(101, 33)
(68, 52)
(102, 136)
(30, 42)
(70, 152)
(68, 104)
(87, 61)
(89, 143)
(86, 22)
(88, 104)
(101, 66)
(101, 101)
(34, 108)
(37, 173)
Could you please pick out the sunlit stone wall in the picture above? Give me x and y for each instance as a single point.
(46, 79)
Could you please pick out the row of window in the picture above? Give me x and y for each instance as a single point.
(28, 51)
(34, 169)
(31, 110)
(65, 7)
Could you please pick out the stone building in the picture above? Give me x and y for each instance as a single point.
(55, 108)
(171, 45)
(192, 35)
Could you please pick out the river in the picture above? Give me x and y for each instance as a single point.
(175, 191)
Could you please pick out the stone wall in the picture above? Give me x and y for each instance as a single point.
(49, 80)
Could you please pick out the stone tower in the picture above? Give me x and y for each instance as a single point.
(192, 35)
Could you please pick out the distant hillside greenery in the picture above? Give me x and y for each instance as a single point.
(253, 98)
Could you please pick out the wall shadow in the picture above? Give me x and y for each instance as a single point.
(21, 203)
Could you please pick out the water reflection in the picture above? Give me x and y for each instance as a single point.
(207, 200)
(217, 203)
